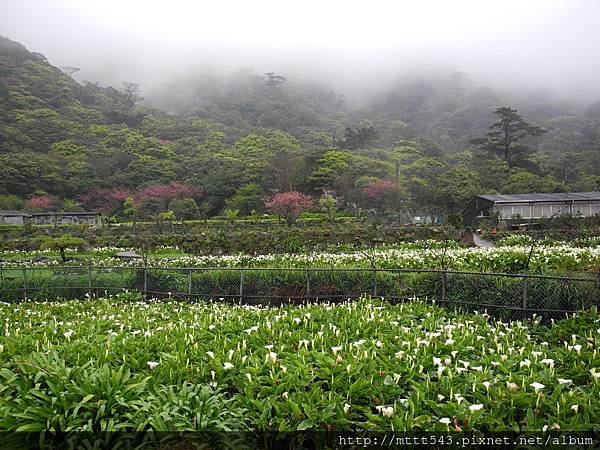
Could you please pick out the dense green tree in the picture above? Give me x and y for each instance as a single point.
(10, 201)
(505, 135)
(38, 129)
(454, 188)
(70, 205)
(268, 159)
(358, 137)
(329, 167)
(217, 174)
(24, 173)
(329, 205)
(524, 182)
(61, 244)
(420, 178)
(130, 209)
(184, 208)
(246, 199)
(150, 208)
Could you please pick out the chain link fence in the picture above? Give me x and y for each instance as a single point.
(506, 296)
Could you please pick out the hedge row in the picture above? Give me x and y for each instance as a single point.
(225, 240)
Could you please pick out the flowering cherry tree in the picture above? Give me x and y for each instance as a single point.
(381, 193)
(105, 200)
(112, 200)
(40, 203)
(168, 192)
(289, 205)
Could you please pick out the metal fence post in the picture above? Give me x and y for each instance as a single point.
(145, 282)
(89, 281)
(374, 282)
(525, 281)
(443, 274)
(595, 296)
(189, 291)
(25, 283)
(564, 295)
(241, 285)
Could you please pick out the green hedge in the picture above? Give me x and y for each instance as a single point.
(244, 238)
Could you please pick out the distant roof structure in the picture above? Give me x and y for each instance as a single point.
(534, 198)
(12, 212)
(65, 213)
(128, 255)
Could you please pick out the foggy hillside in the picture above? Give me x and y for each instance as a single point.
(101, 99)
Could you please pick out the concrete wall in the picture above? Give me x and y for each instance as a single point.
(11, 220)
(59, 219)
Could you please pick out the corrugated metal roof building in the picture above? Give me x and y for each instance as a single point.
(531, 206)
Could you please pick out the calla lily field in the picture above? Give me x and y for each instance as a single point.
(128, 364)
(510, 256)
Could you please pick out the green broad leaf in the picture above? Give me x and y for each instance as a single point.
(359, 386)
(388, 380)
(31, 427)
(295, 408)
(530, 419)
(305, 425)
(419, 421)
(87, 398)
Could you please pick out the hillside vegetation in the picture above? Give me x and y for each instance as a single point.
(230, 142)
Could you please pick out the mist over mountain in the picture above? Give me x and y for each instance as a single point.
(548, 44)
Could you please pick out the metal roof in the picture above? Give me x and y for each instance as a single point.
(75, 213)
(129, 255)
(12, 212)
(543, 198)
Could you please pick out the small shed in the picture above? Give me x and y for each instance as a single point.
(12, 217)
(128, 255)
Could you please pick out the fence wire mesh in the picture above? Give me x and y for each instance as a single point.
(510, 296)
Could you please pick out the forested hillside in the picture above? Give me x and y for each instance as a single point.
(231, 141)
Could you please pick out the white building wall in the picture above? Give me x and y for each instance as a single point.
(540, 210)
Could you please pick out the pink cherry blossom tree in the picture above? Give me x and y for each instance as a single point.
(381, 194)
(289, 205)
(40, 203)
(168, 192)
(105, 200)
